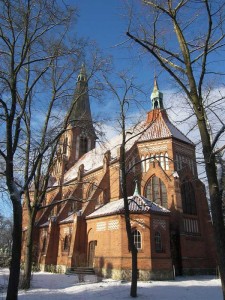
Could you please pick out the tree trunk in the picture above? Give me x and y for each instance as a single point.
(133, 289)
(14, 276)
(219, 233)
(28, 252)
(218, 221)
(215, 200)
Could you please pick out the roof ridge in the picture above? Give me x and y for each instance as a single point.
(168, 120)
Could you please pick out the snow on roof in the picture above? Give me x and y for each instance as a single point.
(69, 219)
(163, 128)
(136, 203)
(160, 128)
(94, 158)
(44, 224)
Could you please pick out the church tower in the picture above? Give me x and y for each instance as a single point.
(80, 136)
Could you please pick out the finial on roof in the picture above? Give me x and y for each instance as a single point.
(136, 191)
(156, 96)
(156, 88)
(82, 75)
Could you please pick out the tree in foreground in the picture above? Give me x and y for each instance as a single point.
(186, 38)
(125, 93)
(44, 177)
(38, 60)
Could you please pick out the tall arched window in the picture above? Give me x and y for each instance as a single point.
(66, 243)
(188, 198)
(143, 164)
(147, 163)
(137, 239)
(65, 144)
(158, 242)
(44, 245)
(167, 161)
(155, 190)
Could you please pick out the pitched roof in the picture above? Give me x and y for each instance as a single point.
(68, 219)
(44, 224)
(163, 128)
(136, 203)
(159, 128)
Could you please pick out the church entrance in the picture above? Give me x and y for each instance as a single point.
(91, 253)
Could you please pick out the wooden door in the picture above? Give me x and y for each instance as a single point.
(91, 253)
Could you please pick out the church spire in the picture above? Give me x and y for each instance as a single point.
(83, 138)
(81, 111)
(156, 96)
(82, 75)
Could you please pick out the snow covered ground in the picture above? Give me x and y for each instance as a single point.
(47, 286)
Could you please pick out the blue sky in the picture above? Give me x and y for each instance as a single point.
(106, 23)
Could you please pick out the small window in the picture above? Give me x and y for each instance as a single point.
(167, 161)
(143, 164)
(158, 242)
(137, 239)
(83, 145)
(147, 163)
(65, 144)
(66, 243)
(44, 245)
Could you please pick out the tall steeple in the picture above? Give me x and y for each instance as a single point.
(82, 137)
(156, 96)
(81, 114)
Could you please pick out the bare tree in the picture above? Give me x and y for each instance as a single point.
(35, 195)
(125, 93)
(34, 40)
(186, 38)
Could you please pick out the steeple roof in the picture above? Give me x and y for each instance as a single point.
(156, 96)
(81, 114)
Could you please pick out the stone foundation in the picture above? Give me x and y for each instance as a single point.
(143, 275)
(53, 268)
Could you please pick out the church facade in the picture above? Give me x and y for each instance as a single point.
(82, 221)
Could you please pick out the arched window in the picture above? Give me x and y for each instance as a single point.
(167, 161)
(66, 243)
(147, 163)
(44, 245)
(162, 163)
(188, 198)
(65, 144)
(137, 239)
(143, 164)
(83, 145)
(158, 242)
(155, 190)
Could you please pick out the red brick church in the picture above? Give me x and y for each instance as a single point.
(169, 213)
